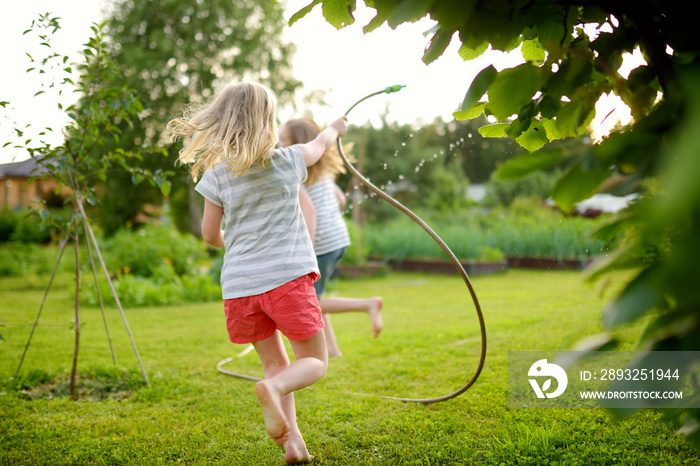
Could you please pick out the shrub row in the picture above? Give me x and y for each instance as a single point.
(536, 232)
(18, 259)
(164, 287)
(19, 226)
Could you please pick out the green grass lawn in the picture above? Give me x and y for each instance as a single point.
(192, 414)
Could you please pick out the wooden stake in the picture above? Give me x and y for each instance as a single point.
(99, 296)
(74, 369)
(91, 237)
(63, 243)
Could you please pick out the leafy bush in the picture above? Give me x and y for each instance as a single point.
(162, 288)
(155, 265)
(8, 222)
(22, 259)
(142, 252)
(17, 225)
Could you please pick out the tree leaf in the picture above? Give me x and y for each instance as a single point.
(574, 118)
(470, 113)
(522, 165)
(577, 185)
(477, 89)
(378, 20)
(534, 137)
(512, 89)
(470, 53)
(550, 126)
(337, 13)
(639, 296)
(497, 130)
(303, 12)
(533, 51)
(408, 11)
(437, 46)
(165, 187)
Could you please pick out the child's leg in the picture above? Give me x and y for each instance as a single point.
(371, 306)
(313, 348)
(282, 378)
(331, 342)
(273, 357)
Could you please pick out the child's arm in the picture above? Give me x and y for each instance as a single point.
(309, 212)
(340, 195)
(313, 150)
(211, 224)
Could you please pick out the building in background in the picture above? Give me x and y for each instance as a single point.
(17, 192)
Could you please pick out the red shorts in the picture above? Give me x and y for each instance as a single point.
(292, 308)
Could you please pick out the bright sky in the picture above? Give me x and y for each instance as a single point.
(347, 64)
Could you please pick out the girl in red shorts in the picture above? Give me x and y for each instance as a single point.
(269, 261)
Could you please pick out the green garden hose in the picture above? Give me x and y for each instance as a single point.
(457, 264)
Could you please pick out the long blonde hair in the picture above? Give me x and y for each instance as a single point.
(305, 130)
(239, 127)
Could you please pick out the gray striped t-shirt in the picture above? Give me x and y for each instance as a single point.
(265, 237)
(331, 231)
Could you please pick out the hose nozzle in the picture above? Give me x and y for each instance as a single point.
(394, 88)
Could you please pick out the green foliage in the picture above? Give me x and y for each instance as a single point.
(428, 167)
(80, 162)
(177, 53)
(163, 287)
(156, 265)
(526, 229)
(573, 54)
(358, 251)
(537, 185)
(8, 223)
(18, 226)
(143, 251)
(22, 259)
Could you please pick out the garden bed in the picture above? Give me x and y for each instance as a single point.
(446, 267)
(369, 269)
(544, 263)
(471, 267)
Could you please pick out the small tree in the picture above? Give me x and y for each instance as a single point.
(79, 164)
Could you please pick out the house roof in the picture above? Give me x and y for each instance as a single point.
(23, 169)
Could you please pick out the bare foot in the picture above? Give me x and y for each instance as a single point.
(275, 419)
(374, 310)
(296, 452)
